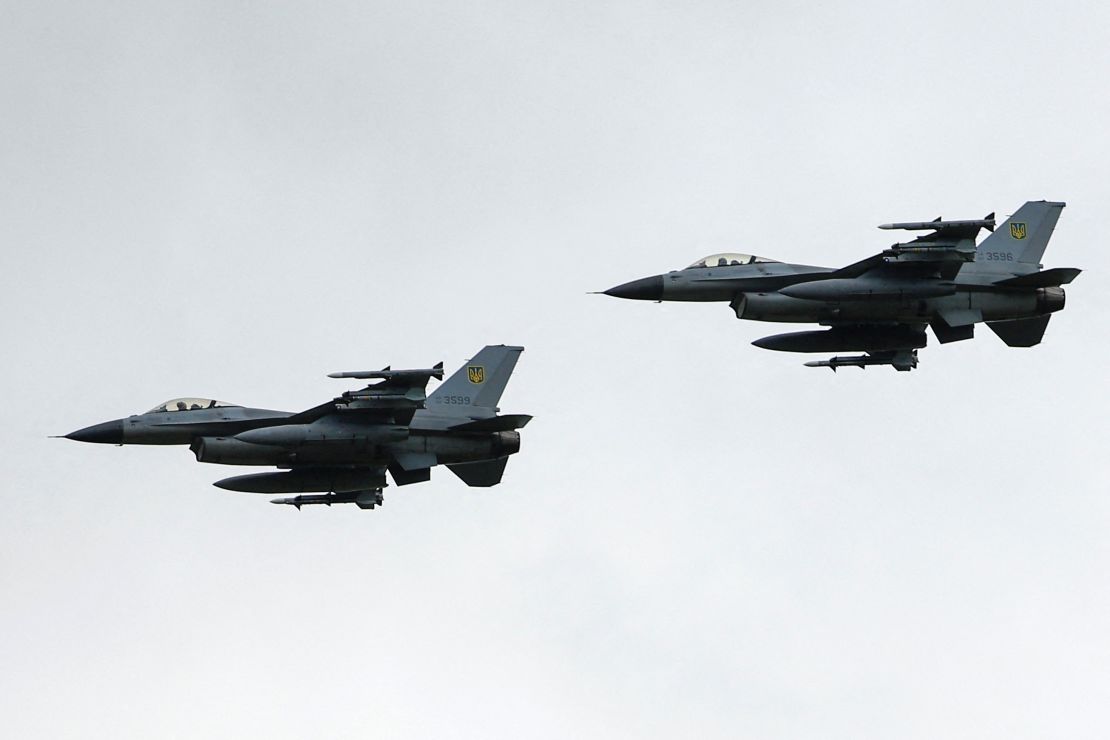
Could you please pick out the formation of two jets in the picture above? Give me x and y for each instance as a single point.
(339, 452)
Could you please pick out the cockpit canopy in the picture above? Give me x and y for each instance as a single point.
(188, 404)
(728, 259)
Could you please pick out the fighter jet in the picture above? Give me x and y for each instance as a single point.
(881, 305)
(341, 450)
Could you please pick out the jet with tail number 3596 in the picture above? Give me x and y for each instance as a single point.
(882, 305)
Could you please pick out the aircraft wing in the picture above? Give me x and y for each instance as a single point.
(310, 415)
(940, 253)
(905, 262)
(394, 400)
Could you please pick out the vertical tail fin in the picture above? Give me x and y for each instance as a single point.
(476, 387)
(1022, 238)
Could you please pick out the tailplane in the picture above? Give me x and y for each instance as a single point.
(475, 388)
(1019, 243)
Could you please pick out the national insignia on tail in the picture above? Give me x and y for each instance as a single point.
(1017, 230)
(476, 374)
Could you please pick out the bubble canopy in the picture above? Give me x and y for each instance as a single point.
(188, 404)
(728, 259)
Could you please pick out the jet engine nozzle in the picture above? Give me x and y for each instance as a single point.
(506, 443)
(1050, 300)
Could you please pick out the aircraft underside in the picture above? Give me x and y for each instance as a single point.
(890, 329)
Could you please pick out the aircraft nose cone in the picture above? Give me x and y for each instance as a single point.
(644, 289)
(110, 432)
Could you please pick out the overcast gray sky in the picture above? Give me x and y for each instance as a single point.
(698, 538)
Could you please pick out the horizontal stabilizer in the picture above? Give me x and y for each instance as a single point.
(1044, 279)
(1021, 332)
(481, 474)
(506, 423)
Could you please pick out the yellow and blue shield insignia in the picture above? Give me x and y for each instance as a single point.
(1017, 230)
(476, 374)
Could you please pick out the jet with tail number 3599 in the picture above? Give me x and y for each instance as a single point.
(882, 305)
(339, 452)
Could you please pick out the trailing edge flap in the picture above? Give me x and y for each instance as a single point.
(1044, 279)
(414, 460)
(1021, 332)
(481, 474)
(404, 477)
(961, 316)
(505, 423)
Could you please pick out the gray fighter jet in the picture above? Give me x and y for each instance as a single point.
(881, 305)
(342, 449)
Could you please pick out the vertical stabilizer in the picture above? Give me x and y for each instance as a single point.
(475, 388)
(1019, 243)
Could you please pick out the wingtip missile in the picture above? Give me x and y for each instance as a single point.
(293, 501)
(940, 225)
(831, 364)
(386, 374)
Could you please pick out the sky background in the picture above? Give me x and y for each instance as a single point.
(698, 538)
